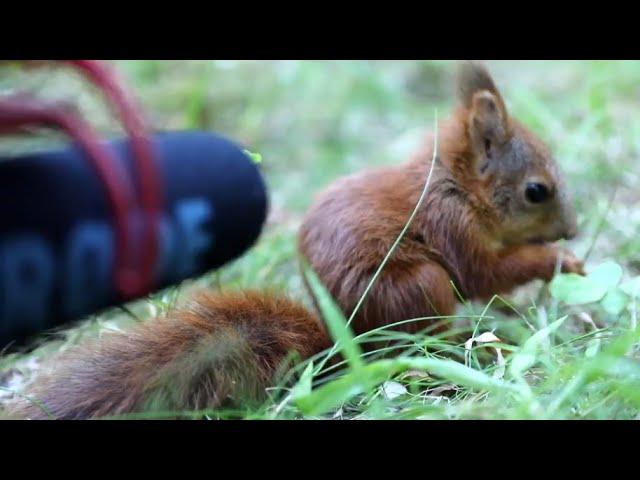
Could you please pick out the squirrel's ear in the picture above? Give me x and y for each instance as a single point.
(477, 92)
(472, 78)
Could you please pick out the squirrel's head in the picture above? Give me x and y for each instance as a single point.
(508, 167)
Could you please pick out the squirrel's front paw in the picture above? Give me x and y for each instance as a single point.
(570, 263)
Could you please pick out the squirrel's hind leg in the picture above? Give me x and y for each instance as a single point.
(402, 292)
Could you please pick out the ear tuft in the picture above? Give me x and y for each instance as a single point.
(472, 78)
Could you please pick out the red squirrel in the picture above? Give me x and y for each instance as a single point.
(494, 207)
(495, 203)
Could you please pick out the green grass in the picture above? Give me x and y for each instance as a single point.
(561, 355)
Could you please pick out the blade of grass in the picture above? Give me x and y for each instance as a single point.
(345, 388)
(400, 236)
(334, 320)
(406, 226)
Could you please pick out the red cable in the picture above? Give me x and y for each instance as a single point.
(131, 282)
(19, 112)
(148, 175)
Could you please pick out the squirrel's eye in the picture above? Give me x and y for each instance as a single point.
(536, 192)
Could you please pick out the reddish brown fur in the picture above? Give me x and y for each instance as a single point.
(466, 230)
(220, 349)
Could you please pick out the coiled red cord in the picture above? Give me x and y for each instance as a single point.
(106, 79)
(135, 267)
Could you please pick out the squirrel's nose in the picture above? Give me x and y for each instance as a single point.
(570, 228)
(568, 221)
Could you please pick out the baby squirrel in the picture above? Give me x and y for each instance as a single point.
(495, 203)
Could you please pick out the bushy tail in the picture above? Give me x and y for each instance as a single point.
(220, 349)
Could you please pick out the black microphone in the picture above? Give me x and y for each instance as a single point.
(57, 237)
